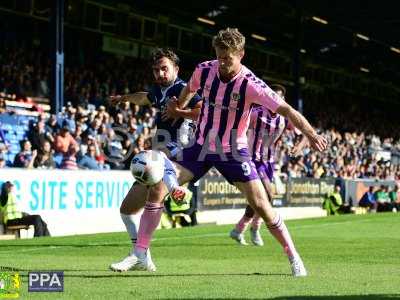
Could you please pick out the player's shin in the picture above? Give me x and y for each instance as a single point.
(148, 223)
(241, 226)
(151, 217)
(256, 222)
(279, 230)
(131, 223)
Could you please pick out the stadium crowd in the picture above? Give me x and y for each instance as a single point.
(89, 134)
(350, 155)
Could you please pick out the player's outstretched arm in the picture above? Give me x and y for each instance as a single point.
(139, 98)
(193, 113)
(185, 96)
(317, 141)
(174, 112)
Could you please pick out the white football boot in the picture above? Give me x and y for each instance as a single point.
(129, 262)
(144, 262)
(256, 237)
(297, 266)
(238, 237)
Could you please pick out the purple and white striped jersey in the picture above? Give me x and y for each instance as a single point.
(225, 114)
(265, 130)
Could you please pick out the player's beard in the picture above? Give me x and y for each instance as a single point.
(225, 73)
(165, 82)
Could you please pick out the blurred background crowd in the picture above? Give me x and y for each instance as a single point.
(90, 134)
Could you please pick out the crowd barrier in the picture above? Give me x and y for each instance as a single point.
(216, 193)
(82, 202)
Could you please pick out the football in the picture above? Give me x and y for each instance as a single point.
(148, 167)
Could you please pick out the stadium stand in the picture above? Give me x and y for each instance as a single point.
(359, 148)
(14, 128)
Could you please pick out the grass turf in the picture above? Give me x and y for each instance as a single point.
(347, 257)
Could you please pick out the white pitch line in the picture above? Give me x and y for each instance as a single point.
(331, 223)
(30, 249)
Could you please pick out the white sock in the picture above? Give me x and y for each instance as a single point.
(132, 224)
(170, 179)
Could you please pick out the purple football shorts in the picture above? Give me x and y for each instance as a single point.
(235, 167)
(264, 169)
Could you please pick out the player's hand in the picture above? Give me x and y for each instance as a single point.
(298, 148)
(318, 142)
(181, 195)
(171, 110)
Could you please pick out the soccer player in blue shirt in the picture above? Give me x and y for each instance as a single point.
(173, 131)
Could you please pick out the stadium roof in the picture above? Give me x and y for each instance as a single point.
(358, 33)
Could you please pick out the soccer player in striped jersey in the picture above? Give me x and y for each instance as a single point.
(229, 91)
(169, 130)
(266, 128)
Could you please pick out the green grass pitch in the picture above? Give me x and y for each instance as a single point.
(347, 257)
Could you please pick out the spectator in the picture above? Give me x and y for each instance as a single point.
(26, 157)
(395, 198)
(3, 151)
(125, 110)
(382, 197)
(88, 161)
(64, 141)
(94, 128)
(12, 215)
(102, 114)
(44, 159)
(132, 130)
(119, 120)
(77, 135)
(39, 134)
(2, 163)
(102, 164)
(52, 125)
(69, 119)
(368, 200)
(69, 159)
(333, 202)
(3, 107)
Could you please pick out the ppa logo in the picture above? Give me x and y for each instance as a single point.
(50, 281)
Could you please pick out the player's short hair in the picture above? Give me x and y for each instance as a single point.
(159, 53)
(229, 38)
(278, 87)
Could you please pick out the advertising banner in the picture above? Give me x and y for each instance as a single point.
(308, 191)
(71, 202)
